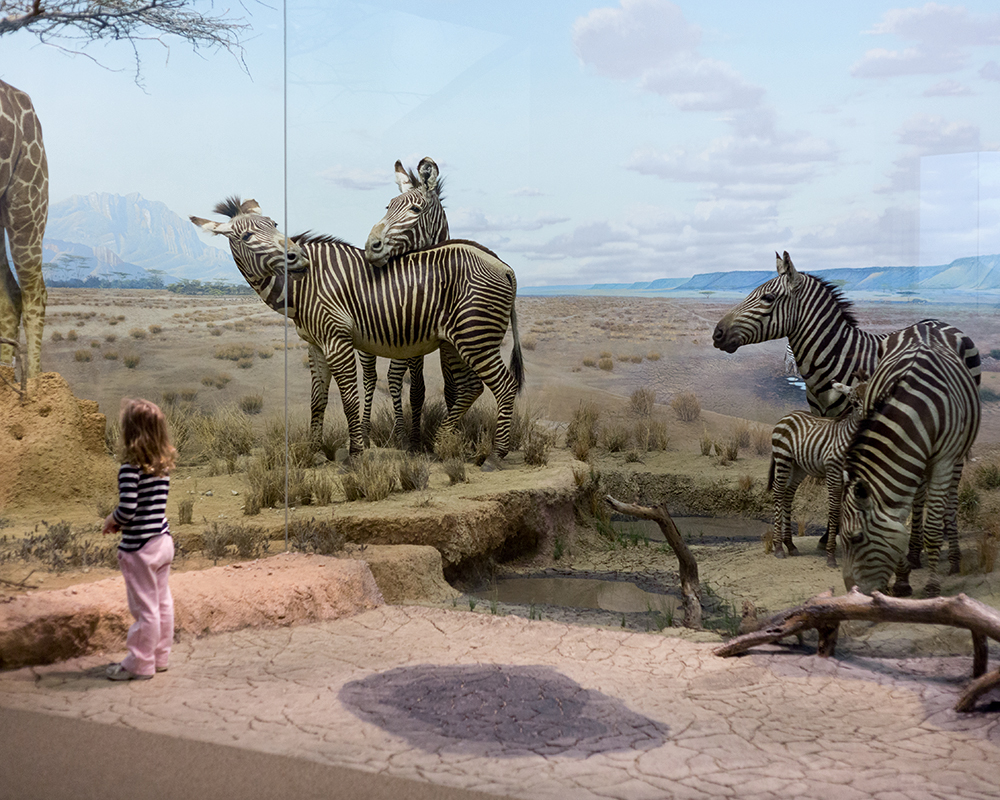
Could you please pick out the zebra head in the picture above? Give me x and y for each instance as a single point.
(258, 247)
(414, 219)
(769, 312)
(874, 535)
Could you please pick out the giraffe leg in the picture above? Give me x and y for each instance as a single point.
(10, 307)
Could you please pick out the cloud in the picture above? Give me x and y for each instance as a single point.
(526, 191)
(359, 179)
(927, 135)
(466, 221)
(990, 71)
(755, 162)
(948, 88)
(943, 36)
(650, 42)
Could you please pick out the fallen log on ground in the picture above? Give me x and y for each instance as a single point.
(687, 566)
(824, 612)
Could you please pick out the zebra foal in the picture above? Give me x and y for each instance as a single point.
(922, 413)
(457, 296)
(802, 445)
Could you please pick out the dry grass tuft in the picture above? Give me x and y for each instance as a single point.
(686, 406)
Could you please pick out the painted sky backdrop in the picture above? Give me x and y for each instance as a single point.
(583, 141)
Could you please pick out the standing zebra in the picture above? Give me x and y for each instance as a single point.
(823, 334)
(414, 219)
(457, 296)
(922, 415)
(803, 444)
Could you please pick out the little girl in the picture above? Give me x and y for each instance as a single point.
(146, 548)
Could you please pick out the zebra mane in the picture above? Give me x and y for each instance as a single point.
(229, 207)
(468, 242)
(845, 306)
(308, 237)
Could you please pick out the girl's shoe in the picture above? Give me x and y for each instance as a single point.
(116, 672)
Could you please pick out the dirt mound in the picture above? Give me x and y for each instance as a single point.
(51, 445)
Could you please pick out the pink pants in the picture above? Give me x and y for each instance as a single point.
(146, 572)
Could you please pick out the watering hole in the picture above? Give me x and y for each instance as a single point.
(620, 596)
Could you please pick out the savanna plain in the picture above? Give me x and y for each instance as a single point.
(625, 394)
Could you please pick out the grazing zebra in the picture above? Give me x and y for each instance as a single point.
(415, 219)
(823, 334)
(457, 296)
(922, 415)
(803, 444)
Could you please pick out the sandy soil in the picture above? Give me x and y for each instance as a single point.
(663, 345)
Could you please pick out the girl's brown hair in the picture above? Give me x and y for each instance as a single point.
(145, 437)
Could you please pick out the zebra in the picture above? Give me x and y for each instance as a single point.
(824, 335)
(922, 416)
(415, 219)
(457, 296)
(803, 444)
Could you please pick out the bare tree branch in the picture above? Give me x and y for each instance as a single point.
(86, 21)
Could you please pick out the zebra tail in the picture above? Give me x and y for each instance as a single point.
(516, 358)
(770, 475)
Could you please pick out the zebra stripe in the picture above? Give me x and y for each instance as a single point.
(922, 415)
(457, 296)
(802, 445)
(822, 332)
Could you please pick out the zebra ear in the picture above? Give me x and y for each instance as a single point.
(249, 207)
(212, 227)
(402, 178)
(428, 172)
(786, 269)
(839, 387)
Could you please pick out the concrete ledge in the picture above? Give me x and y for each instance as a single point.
(43, 627)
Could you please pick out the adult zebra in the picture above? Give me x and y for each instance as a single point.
(922, 416)
(457, 296)
(803, 444)
(414, 219)
(823, 334)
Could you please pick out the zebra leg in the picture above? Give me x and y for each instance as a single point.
(466, 385)
(319, 396)
(917, 526)
(342, 364)
(834, 492)
(951, 521)
(938, 494)
(397, 369)
(369, 377)
(490, 368)
(417, 394)
(789, 478)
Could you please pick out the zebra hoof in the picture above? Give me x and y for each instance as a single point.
(792, 550)
(954, 569)
(913, 559)
(932, 591)
(779, 552)
(823, 540)
(831, 562)
(902, 590)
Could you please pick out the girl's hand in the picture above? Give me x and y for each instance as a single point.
(110, 526)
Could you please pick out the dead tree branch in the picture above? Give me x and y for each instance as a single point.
(825, 612)
(688, 567)
(122, 20)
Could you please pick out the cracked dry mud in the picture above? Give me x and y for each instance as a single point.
(549, 710)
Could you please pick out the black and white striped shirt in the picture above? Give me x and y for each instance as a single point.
(142, 506)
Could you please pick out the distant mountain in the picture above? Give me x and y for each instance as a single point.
(962, 276)
(113, 237)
